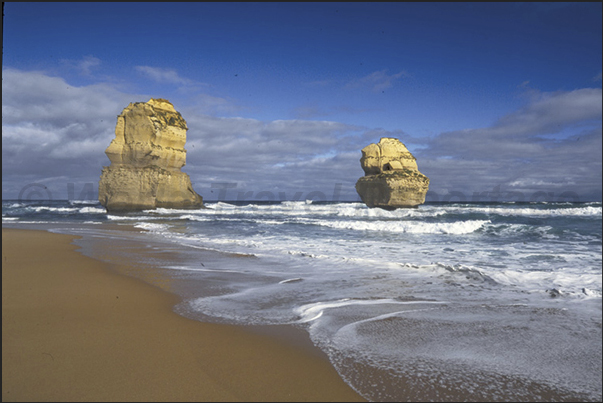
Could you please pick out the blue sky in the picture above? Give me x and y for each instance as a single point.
(495, 100)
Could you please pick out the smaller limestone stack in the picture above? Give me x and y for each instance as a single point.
(146, 157)
(392, 179)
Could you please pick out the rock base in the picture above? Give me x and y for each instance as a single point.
(392, 191)
(133, 189)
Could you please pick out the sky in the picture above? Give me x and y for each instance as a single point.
(497, 101)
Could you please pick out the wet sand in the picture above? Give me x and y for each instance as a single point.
(74, 329)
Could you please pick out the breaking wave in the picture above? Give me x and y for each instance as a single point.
(412, 227)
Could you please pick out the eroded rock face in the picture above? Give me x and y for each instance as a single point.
(392, 179)
(146, 157)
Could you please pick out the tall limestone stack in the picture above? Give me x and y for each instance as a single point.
(392, 179)
(146, 157)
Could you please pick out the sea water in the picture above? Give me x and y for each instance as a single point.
(447, 301)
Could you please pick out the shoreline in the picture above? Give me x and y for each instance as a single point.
(74, 328)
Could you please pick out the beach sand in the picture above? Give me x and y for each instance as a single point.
(74, 329)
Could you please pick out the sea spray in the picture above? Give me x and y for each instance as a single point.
(440, 302)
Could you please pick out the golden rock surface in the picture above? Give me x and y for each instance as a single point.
(146, 156)
(392, 178)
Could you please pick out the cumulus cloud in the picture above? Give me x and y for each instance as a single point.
(51, 129)
(56, 133)
(522, 132)
(37, 97)
(377, 81)
(84, 65)
(551, 145)
(283, 156)
(164, 76)
(551, 113)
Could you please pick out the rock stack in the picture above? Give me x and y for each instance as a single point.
(146, 157)
(392, 179)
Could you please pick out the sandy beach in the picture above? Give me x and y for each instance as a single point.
(73, 329)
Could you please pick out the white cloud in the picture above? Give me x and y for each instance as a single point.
(54, 132)
(283, 156)
(85, 65)
(52, 129)
(88, 63)
(161, 75)
(519, 134)
(518, 152)
(37, 97)
(250, 146)
(377, 81)
(551, 112)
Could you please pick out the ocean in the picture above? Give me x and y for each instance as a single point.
(447, 301)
